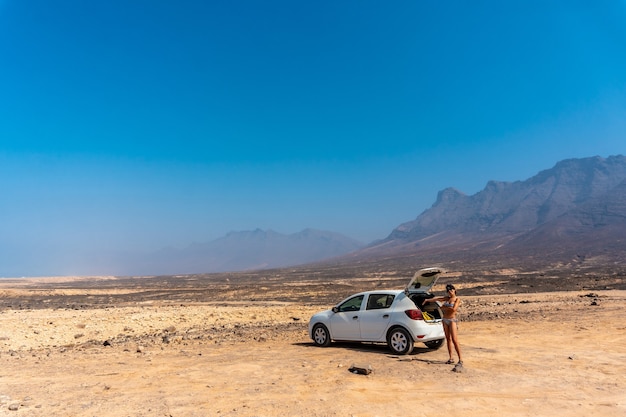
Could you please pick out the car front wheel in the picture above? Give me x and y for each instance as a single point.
(321, 337)
(400, 341)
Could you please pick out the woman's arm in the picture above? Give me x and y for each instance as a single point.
(457, 304)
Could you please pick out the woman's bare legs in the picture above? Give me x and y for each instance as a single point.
(446, 330)
(451, 330)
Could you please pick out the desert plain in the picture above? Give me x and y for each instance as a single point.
(222, 345)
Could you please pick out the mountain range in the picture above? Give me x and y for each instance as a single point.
(241, 251)
(571, 212)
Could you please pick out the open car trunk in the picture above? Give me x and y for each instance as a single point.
(418, 290)
(432, 309)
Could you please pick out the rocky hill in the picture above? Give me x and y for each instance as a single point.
(571, 212)
(595, 227)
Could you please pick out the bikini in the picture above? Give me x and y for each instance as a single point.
(445, 321)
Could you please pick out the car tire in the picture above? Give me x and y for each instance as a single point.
(399, 341)
(321, 337)
(434, 344)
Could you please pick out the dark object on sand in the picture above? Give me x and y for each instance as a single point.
(363, 370)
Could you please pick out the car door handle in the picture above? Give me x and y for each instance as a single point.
(355, 318)
(385, 316)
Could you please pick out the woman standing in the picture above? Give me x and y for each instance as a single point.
(449, 307)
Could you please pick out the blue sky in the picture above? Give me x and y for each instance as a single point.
(135, 125)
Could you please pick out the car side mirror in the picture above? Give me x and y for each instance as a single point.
(335, 309)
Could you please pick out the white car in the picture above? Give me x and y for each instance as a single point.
(396, 317)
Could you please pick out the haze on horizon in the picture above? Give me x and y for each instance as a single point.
(133, 126)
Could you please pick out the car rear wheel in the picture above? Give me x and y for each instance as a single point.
(321, 337)
(434, 344)
(400, 341)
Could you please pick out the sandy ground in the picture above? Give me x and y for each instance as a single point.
(541, 354)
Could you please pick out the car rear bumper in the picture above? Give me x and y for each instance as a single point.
(428, 332)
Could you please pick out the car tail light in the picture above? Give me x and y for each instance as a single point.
(414, 314)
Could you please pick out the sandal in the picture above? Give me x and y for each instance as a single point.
(449, 362)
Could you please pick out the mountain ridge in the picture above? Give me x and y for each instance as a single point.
(571, 213)
(574, 210)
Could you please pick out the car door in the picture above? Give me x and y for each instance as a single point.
(344, 324)
(376, 316)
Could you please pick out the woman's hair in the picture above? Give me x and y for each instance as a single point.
(450, 287)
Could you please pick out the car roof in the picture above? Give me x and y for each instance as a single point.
(393, 292)
(382, 292)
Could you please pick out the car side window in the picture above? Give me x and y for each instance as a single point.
(353, 304)
(379, 301)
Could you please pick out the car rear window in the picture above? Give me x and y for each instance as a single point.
(378, 301)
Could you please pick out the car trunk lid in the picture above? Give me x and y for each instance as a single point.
(423, 280)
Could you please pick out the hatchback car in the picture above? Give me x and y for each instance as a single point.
(396, 317)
